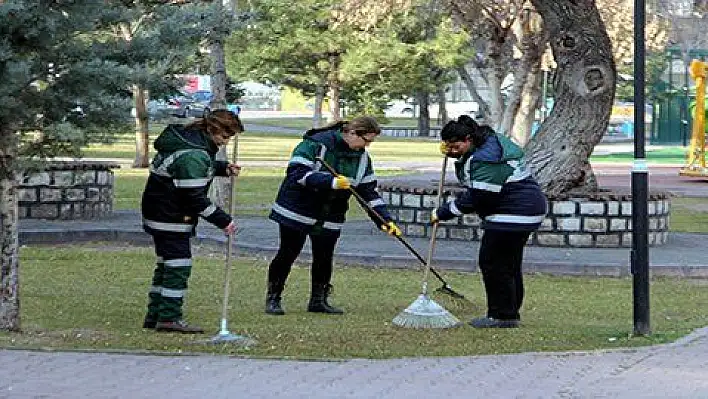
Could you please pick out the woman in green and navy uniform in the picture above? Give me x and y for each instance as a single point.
(501, 190)
(174, 199)
(313, 202)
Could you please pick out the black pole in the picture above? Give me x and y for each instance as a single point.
(640, 180)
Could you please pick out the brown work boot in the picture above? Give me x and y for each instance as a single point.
(180, 326)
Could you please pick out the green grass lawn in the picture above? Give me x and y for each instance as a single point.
(669, 155)
(255, 146)
(256, 188)
(93, 297)
(306, 123)
(689, 215)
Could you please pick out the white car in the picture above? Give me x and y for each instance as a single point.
(399, 108)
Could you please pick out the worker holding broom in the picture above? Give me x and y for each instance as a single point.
(501, 190)
(313, 201)
(174, 199)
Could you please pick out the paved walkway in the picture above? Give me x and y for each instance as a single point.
(678, 370)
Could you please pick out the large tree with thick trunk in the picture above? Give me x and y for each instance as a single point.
(585, 88)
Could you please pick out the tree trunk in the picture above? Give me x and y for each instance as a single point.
(334, 89)
(495, 73)
(319, 100)
(221, 187)
(424, 114)
(218, 75)
(141, 117)
(483, 109)
(533, 45)
(525, 116)
(585, 89)
(442, 106)
(522, 98)
(9, 247)
(142, 137)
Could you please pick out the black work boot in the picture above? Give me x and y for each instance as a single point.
(149, 321)
(490, 322)
(272, 305)
(180, 326)
(318, 300)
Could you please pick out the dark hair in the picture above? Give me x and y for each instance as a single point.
(219, 122)
(463, 128)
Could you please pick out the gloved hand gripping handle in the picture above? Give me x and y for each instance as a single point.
(446, 287)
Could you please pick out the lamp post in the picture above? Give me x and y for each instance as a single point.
(640, 180)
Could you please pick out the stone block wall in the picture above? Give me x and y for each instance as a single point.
(599, 220)
(402, 131)
(67, 190)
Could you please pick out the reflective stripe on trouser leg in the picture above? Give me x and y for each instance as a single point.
(155, 294)
(177, 260)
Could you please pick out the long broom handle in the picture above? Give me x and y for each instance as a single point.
(229, 240)
(381, 220)
(431, 247)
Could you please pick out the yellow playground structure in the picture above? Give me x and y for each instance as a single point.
(696, 155)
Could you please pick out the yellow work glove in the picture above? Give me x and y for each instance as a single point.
(391, 229)
(434, 216)
(443, 148)
(341, 183)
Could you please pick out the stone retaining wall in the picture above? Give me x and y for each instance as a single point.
(402, 131)
(67, 190)
(599, 220)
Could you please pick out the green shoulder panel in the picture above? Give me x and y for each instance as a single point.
(195, 164)
(490, 173)
(307, 149)
(510, 150)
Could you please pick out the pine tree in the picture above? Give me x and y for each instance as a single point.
(62, 88)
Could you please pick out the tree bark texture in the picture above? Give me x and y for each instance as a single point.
(9, 259)
(494, 73)
(523, 97)
(334, 88)
(320, 94)
(585, 89)
(140, 102)
(142, 138)
(218, 75)
(221, 187)
(525, 115)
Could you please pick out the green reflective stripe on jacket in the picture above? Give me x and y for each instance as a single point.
(355, 165)
(491, 176)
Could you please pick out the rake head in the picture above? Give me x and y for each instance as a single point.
(424, 313)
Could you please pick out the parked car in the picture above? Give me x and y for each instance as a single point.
(399, 108)
(160, 108)
(199, 107)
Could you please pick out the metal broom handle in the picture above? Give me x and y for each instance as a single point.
(229, 239)
(431, 247)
